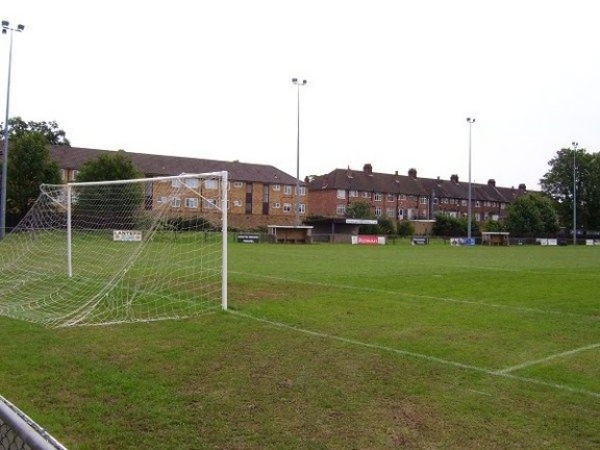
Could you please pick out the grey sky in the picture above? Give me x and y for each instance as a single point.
(389, 82)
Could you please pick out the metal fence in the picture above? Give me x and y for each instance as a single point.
(17, 431)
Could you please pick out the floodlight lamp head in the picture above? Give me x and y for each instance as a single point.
(294, 80)
(20, 27)
(575, 144)
(5, 24)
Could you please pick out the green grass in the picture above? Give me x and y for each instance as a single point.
(335, 346)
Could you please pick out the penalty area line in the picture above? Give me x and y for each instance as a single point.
(546, 359)
(435, 359)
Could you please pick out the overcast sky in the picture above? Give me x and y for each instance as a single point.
(390, 83)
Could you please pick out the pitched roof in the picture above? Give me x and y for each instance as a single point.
(165, 165)
(348, 179)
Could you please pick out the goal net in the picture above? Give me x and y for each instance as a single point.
(118, 251)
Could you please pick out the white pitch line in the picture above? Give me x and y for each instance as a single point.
(420, 356)
(546, 359)
(426, 297)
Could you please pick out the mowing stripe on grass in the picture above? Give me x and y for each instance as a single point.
(418, 355)
(548, 358)
(415, 296)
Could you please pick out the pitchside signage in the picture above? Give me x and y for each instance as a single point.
(248, 238)
(368, 240)
(127, 235)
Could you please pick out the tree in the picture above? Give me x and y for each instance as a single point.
(557, 183)
(29, 165)
(51, 132)
(90, 204)
(358, 210)
(531, 214)
(451, 226)
(405, 228)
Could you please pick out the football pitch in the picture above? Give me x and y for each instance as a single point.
(337, 346)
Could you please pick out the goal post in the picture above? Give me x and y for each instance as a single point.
(119, 251)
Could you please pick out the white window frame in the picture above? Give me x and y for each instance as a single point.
(353, 193)
(287, 208)
(341, 194)
(238, 184)
(287, 190)
(175, 202)
(191, 203)
(192, 183)
(276, 205)
(340, 210)
(276, 187)
(377, 196)
(211, 184)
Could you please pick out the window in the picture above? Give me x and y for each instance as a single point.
(287, 207)
(276, 205)
(276, 187)
(175, 202)
(391, 197)
(402, 197)
(353, 194)
(302, 190)
(287, 190)
(340, 210)
(176, 183)
(238, 184)
(161, 200)
(463, 202)
(445, 200)
(301, 208)
(390, 212)
(366, 194)
(73, 175)
(423, 200)
(341, 193)
(211, 184)
(191, 203)
(209, 203)
(400, 213)
(62, 174)
(378, 211)
(477, 203)
(192, 182)
(237, 203)
(377, 196)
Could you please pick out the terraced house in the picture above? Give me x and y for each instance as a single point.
(259, 195)
(407, 197)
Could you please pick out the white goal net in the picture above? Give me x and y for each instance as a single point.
(118, 251)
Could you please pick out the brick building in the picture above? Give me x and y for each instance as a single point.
(407, 197)
(259, 195)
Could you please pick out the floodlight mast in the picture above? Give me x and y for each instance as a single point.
(471, 121)
(6, 28)
(575, 144)
(298, 83)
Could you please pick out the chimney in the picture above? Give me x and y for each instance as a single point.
(492, 182)
(412, 173)
(454, 178)
(522, 187)
(368, 168)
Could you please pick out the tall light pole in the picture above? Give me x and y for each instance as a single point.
(471, 121)
(298, 83)
(6, 28)
(575, 144)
